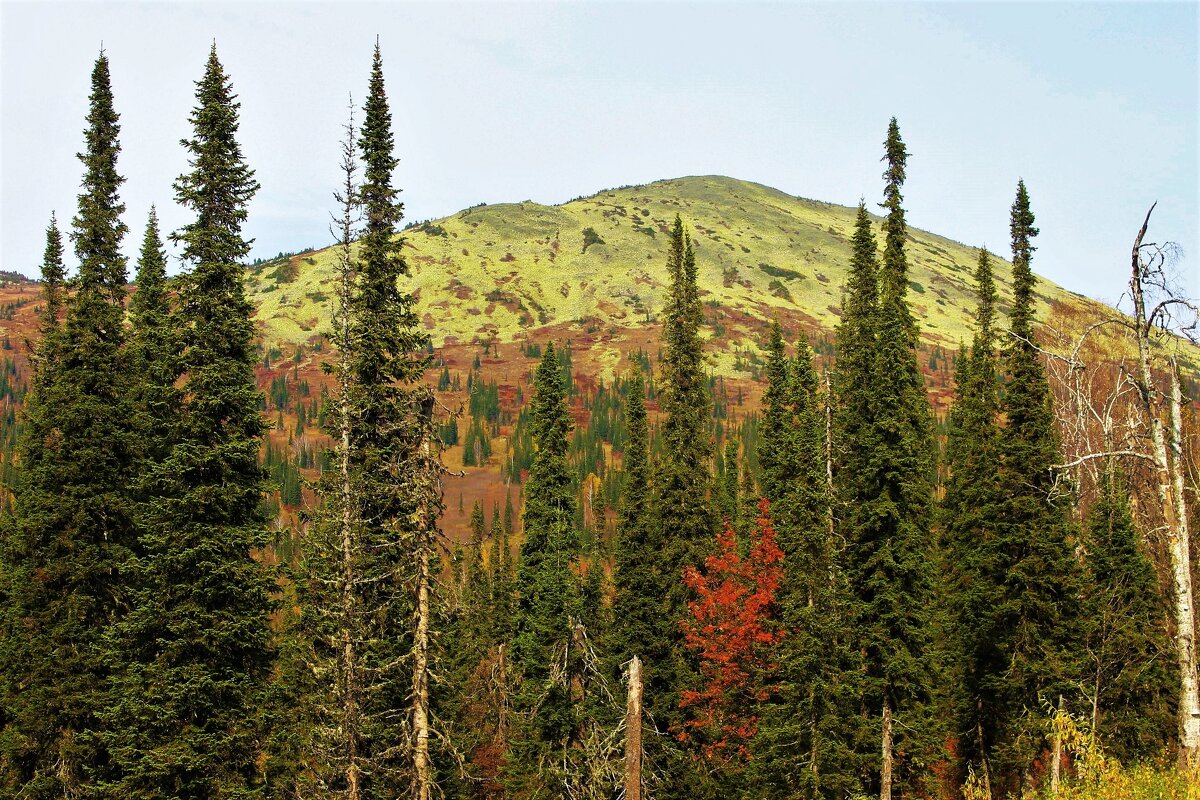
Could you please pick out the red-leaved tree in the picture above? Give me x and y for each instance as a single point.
(732, 629)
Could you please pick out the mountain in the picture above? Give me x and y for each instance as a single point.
(508, 270)
(494, 282)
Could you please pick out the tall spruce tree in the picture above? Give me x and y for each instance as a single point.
(74, 510)
(637, 607)
(805, 739)
(1131, 672)
(855, 369)
(392, 442)
(192, 696)
(886, 484)
(54, 276)
(549, 603)
(970, 513)
(374, 540)
(1038, 624)
(154, 348)
(684, 523)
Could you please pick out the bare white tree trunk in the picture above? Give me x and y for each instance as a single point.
(348, 677)
(633, 732)
(422, 765)
(1169, 479)
(1181, 559)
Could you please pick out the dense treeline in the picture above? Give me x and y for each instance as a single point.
(814, 600)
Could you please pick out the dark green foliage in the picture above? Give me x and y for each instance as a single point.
(154, 347)
(1036, 623)
(684, 522)
(970, 510)
(590, 237)
(805, 742)
(885, 463)
(372, 534)
(637, 604)
(53, 279)
(191, 700)
(548, 592)
(1132, 665)
(68, 550)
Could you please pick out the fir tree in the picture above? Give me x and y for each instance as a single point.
(74, 511)
(684, 523)
(886, 481)
(392, 412)
(806, 735)
(1036, 629)
(727, 490)
(1132, 669)
(549, 603)
(637, 607)
(197, 640)
(970, 512)
(374, 538)
(53, 280)
(154, 346)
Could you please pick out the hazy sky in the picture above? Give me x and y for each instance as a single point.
(1094, 105)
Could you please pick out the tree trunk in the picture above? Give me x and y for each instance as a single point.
(422, 766)
(1171, 500)
(350, 689)
(1056, 765)
(1181, 561)
(633, 732)
(885, 773)
(983, 758)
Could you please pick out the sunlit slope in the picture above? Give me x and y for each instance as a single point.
(506, 269)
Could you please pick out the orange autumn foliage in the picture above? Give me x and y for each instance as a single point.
(732, 628)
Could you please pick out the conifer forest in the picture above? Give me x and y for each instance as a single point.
(379, 520)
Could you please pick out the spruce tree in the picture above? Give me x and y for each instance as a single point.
(805, 739)
(74, 509)
(54, 277)
(367, 597)
(549, 603)
(637, 608)
(684, 520)
(1132, 671)
(154, 347)
(971, 509)
(1037, 626)
(886, 482)
(193, 694)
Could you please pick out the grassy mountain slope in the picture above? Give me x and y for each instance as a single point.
(506, 270)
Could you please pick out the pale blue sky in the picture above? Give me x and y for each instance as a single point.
(1094, 105)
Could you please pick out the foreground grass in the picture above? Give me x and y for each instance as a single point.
(1140, 782)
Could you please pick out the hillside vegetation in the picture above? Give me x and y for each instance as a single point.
(505, 270)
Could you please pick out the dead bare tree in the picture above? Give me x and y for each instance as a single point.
(1138, 416)
(1149, 262)
(633, 732)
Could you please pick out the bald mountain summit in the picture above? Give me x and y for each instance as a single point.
(506, 271)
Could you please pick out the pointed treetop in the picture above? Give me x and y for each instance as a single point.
(1022, 229)
(986, 288)
(151, 270)
(98, 228)
(862, 286)
(53, 275)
